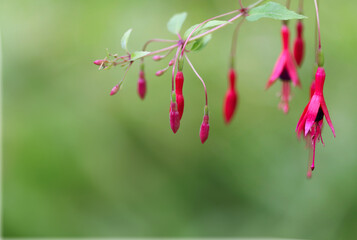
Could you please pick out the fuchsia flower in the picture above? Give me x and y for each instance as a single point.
(142, 85)
(311, 120)
(231, 98)
(299, 44)
(285, 69)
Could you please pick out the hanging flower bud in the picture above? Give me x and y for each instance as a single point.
(142, 85)
(174, 115)
(115, 89)
(204, 130)
(157, 58)
(231, 98)
(179, 97)
(299, 45)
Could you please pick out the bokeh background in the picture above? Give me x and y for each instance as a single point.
(79, 163)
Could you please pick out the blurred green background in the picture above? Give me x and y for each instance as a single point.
(79, 163)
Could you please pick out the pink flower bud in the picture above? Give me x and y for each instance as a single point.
(174, 117)
(115, 90)
(204, 130)
(157, 58)
(230, 104)
(171, 62)
(142, 85)
(159, 73)
(99, 62)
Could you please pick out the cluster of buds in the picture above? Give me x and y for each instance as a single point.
(285, 69)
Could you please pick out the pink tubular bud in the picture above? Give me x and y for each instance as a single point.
(99, 62)
(204, 130)
(174, 117)
(114, 90)
(142, 85)
(171, 62)
(157, 58)
(159, 73)
(230, 104)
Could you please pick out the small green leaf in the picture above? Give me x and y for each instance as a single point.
(206, 26)
(201, 43)
(273, 10)
(124, 39)
(176, 22)
(138, 54)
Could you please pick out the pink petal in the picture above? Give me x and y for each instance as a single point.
(278, 69)
(312, 112)
(302, 120)
(327, 115)
(291, 67)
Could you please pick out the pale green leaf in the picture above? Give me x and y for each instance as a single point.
(273, 10)
(201, 43)
(124, 39)
(176, 22)
(138, 54)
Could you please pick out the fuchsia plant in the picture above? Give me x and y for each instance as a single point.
(198, 36)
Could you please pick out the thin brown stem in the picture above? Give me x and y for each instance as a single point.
(318, 23)
(203, 82)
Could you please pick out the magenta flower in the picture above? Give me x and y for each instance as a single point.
(174, 117)
(285, 69)
(311, 120)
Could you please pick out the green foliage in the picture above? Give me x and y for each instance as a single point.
(124, 39)
(138, 54)
(273, 10)
(201, 43)
(175, 23)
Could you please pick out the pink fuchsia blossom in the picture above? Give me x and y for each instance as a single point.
(311, 120)
(285, 69)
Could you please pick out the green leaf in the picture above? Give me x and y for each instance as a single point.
(201, 43)
(272, 10)
(206, 26)
(176, 22)
(138, 54)
(124, 39)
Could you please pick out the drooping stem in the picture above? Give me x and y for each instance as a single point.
(203, 82)
(199, 25)
(318, 23)
(234, 42)
(240, 3)
(301, 6)
(173, 68)
(126, 72)
(216, 28)
(288, 4)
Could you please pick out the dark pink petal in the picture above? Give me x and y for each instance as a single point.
(301, 122)
(278, 69)
(291, 67)
(327, 115)
(312, 112)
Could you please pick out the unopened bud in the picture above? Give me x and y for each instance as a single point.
(171, 62)
(157, 58)
(159, 73)
(174, 117)
(204, 130)
(115, 89)
(142, 85)
(99, 62)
